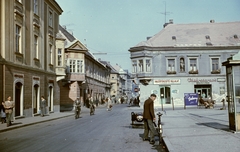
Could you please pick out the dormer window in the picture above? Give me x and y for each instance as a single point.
(209, 44)
(174, 38)
(235, 36)
(207, 37)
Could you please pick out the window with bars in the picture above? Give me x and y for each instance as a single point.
(18, 38)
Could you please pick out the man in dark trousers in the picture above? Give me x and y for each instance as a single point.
(148, 118)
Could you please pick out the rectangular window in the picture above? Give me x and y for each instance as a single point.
(59, 57)
(35, 7)
(50, 19)
(134, 66)
(72, 66)
(222, 90)
(76, 66)
(215, 64)
(171, 65)
(51, 54)
(148, 65)
(193, 64)
(79, 66)
(35, 46)
(18, 38)
(140, 66)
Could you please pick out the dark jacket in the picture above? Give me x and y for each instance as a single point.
(148, 110)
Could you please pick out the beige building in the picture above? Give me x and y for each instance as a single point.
(79, 74)
(27, 58)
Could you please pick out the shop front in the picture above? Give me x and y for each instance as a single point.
(169, 90)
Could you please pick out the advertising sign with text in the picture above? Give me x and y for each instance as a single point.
(191, 99)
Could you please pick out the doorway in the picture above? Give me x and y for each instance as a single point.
(50, 99)
(165, 94)
(18, 93)
(35, 98)
(204, 91)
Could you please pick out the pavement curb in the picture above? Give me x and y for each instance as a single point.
(29, 124)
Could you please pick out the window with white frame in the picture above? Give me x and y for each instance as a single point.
(59, 56)
(36, 46)
(72, 66)
(134, 66)
(18, 38)
(193, 64)
(171, 65)
(35, 7)
(215, 65)
(80, 66)
(148, 65)
(140, 65)
(50, 19)
(50, 54)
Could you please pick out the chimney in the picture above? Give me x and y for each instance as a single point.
(148, 37)
(170, 22)
(212, 21)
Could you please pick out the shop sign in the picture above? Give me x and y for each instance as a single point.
(168, 81)
(190, 99)
(201, 80)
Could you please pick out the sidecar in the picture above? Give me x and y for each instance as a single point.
(136, 117)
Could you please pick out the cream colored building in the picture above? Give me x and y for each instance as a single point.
(79, 74)
(27, 58)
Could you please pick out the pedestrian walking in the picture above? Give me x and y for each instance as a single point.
(8, 106)
(87, 101)
(148, 119)
(42, 106)
(77, 104)
(109, 104)
(91, 106)
(2, 113)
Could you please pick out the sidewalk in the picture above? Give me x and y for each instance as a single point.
(198, 130)
(22, 122)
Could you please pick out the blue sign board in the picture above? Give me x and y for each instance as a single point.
(191, 99)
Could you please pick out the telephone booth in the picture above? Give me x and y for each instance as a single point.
(233, 91)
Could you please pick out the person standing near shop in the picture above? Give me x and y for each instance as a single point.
(43, 106)
(8, 106)
(149, 118)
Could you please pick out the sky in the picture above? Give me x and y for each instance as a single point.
(109, 28)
